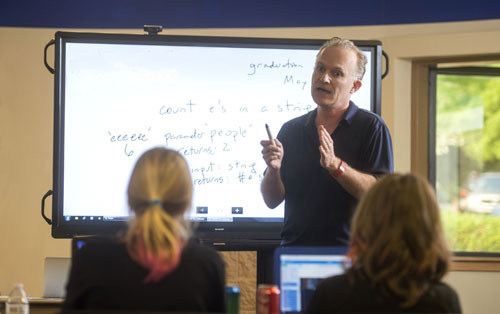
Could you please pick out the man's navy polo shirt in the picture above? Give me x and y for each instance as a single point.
(317, 209)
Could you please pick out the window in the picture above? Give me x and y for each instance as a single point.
(464, 150)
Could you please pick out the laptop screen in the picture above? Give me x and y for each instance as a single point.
(55, 275)
(298, 270)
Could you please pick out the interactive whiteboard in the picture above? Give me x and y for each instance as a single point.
(208, 98)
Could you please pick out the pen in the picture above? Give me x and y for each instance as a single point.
(270, 135)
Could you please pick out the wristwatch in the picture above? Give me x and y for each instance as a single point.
(340, 170)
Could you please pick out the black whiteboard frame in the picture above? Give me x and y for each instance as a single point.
(238, 233)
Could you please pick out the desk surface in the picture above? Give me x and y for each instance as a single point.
(37, 305)
(36, 300)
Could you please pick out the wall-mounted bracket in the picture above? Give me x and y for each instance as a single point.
(153, 29)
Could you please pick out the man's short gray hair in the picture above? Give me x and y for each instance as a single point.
(347, 44)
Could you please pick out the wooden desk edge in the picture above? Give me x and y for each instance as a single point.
(36, 300)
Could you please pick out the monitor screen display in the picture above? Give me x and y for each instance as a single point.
(209, 98)
(298, 270)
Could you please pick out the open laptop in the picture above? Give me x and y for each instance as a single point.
(298, 270)
(55, 275)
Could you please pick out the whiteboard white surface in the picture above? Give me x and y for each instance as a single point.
(209, 103)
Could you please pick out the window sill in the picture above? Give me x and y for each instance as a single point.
(459, 263)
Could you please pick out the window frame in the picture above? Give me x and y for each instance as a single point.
(423, 134)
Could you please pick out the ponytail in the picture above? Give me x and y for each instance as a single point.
(155, 240)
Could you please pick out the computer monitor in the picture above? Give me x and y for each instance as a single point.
(298, 270)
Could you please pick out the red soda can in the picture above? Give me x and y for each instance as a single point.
(268, 299)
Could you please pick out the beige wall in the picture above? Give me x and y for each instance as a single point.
(26, 130)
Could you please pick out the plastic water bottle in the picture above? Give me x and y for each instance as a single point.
(17, 301)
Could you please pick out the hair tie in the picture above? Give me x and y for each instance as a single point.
(155, 202)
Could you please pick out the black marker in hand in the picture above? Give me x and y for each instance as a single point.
(270, 135)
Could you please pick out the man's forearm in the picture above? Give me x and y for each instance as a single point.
(355, 182)
(272, 188)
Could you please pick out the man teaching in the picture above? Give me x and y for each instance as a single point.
(322, 162)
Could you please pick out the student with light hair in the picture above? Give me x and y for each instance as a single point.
(398, 254)
(155, 266)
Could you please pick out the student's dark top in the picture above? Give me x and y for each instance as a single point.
(104, 277)
(317, 208)
(337, 295)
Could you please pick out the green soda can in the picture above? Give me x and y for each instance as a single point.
(233, 299)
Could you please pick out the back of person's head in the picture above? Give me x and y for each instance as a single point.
(349, 45)
(397, 242)
(159, 192)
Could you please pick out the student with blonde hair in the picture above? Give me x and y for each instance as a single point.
(155, 266)
(398, 254)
